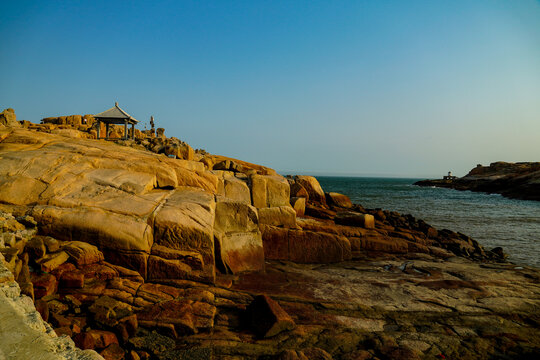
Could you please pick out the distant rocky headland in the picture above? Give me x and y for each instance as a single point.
(513, 180)
(145, 248)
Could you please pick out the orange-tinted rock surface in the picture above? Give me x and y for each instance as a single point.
(141, 255)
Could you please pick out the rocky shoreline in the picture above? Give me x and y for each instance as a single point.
(512, 180)
(145, 249)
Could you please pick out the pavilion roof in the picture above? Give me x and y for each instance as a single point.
(116, 113)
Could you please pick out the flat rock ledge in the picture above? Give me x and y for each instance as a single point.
(24, 334)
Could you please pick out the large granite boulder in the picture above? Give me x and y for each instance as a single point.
(269, 190)
(186, 222)
(232, 187)
(239, 246)
(284, 216)
(311, 184)
(339, 200)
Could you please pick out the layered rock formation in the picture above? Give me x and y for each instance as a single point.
(24, 334)
(161, 254)
(513, 180)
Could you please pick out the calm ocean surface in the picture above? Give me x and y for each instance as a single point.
(492, 220)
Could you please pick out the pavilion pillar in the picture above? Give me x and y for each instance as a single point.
(106, 131)
(132, 131)
(125, 130)
(98, 128)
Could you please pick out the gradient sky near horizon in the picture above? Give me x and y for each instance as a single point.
(385, 88)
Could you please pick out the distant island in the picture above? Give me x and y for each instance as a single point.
(519, 180)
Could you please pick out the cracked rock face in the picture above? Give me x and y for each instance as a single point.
(125, 201)
(125, 263)
(109, 196)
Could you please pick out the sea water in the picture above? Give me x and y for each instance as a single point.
(490, 219)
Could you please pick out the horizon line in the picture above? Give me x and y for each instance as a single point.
(352, 175)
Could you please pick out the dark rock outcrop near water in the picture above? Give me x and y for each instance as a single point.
(138, 252)
(513, 180)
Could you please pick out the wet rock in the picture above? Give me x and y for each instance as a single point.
(266, 318)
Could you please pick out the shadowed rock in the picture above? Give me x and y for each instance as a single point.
(266, 318)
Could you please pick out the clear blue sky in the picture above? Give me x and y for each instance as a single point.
(410, 88)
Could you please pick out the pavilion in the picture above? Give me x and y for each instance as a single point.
(117, 116)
